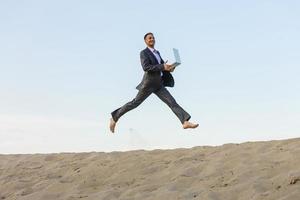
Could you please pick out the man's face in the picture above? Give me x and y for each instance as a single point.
(150, 40)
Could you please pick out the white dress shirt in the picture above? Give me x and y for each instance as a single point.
(157, 56)
(155, 53)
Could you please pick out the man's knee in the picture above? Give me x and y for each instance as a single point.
(171, 102)
(135, 102)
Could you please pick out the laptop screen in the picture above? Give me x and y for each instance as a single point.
(176, 55)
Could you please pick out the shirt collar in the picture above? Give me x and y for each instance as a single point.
(151, 49)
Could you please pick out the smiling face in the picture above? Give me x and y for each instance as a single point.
(150, 40)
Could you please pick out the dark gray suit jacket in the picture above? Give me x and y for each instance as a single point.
(152, 77)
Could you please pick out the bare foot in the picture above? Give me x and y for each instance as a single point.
(112, 125)
(188, 124)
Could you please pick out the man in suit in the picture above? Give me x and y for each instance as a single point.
(156, 78)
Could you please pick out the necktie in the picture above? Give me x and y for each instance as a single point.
(156, 54)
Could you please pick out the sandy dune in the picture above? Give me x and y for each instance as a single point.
(253, 170)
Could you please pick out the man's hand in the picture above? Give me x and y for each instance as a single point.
(169, 68)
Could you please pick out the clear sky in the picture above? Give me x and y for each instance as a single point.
(65, 65)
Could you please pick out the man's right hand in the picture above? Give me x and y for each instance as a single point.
(169, 68)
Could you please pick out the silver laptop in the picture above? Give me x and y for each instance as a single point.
(177, 58)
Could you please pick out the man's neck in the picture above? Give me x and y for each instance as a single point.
(151, 47)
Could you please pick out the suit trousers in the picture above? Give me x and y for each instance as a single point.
(162, 93)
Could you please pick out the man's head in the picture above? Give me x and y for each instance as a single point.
(149, 39)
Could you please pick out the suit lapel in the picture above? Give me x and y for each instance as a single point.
(161, 60)
(152, 57)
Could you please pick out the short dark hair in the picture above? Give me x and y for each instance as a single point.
(149, 33)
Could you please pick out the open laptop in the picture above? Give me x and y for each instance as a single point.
(177, 58)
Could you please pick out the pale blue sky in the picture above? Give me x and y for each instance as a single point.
(65, 65)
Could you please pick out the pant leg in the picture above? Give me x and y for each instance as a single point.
(166, 97)
(140, 97)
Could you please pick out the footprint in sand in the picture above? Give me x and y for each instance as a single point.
(294, 177)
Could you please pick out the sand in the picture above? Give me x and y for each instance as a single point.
(252, 170)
